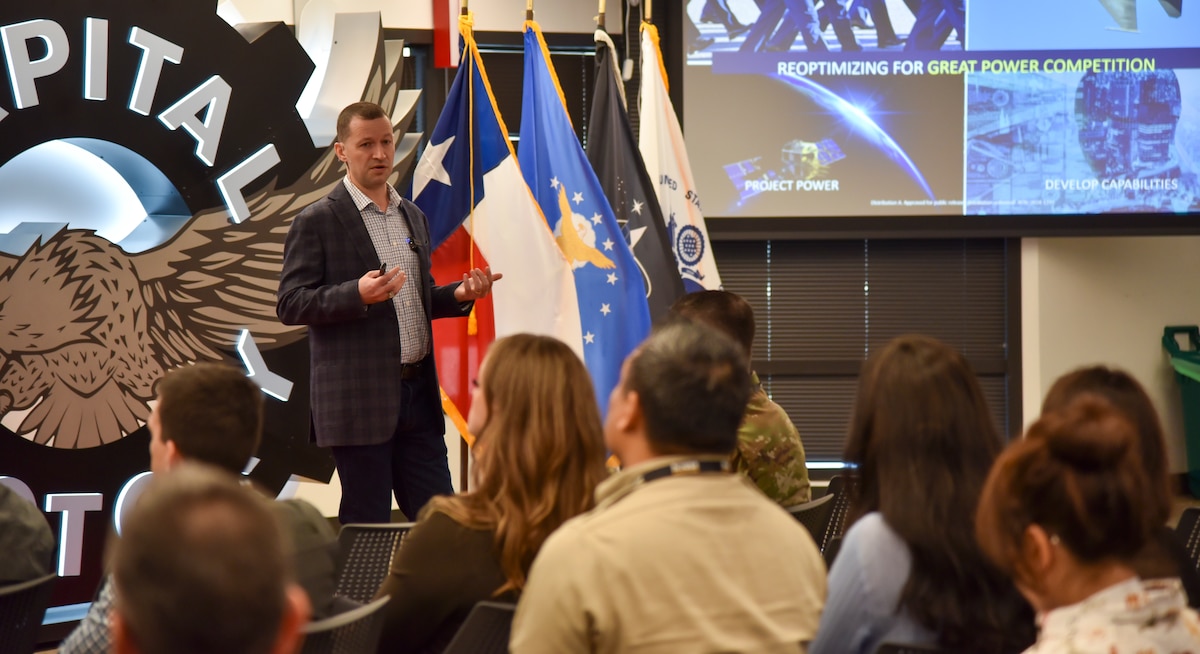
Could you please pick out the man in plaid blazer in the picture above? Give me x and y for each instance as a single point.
(356, 270)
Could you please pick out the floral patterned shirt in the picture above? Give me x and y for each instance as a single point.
(1132, 617)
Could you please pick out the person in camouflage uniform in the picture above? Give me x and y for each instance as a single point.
(769, 450)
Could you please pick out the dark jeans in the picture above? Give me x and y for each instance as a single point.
(935, 20)
(802, 18)
(411, 465)
(764, 27)
(882, 19)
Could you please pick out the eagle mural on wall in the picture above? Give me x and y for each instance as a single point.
(87, 329)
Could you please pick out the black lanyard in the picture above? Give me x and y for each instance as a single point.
(689, 467)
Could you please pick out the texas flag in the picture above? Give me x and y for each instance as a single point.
(468, 176)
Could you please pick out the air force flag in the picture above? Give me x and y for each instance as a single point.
(612, 298)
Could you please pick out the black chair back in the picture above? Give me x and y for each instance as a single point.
(831, 550)
(365, 554)
(485, 631)
(22, 608)
(815, 516)
(349, 632)
(840, 488)
(1188, 533)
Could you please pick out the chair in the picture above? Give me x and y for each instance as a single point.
(22, 608)
(815, 516)
(831, 551)
(485, 631)
(901, 648)
(348, 632)
(840, 488)
(365, 556)
(1188, 533)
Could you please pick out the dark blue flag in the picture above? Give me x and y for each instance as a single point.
(614, 155)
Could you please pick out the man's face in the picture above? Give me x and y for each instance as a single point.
(160, 450)
(368, 152)
(620, 405)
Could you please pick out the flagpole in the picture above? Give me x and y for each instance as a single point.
(472, 321)
(529, 10)
(647, 16)
(600, 18)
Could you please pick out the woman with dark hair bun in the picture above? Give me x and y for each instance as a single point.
(1064, 513)
(909, 570)
(1163, 555)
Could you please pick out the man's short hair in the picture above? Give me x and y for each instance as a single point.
(200, 567)
(213, 413)
(693, 383)
(726, 312)
(364, 110)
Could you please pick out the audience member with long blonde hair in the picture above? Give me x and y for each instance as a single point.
(539, 455)
(1065, 512)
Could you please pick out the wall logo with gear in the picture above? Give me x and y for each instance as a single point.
(198, 120)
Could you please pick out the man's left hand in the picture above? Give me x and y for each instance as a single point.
(476, 284)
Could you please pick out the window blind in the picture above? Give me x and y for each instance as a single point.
(822, 308)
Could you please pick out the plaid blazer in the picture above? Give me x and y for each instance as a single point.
(354, 350)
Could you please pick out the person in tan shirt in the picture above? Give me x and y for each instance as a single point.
(679, 555)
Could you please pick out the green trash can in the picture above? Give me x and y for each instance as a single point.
(1187, 372)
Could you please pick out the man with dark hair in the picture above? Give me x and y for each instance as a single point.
(201, 567)
(769, 450)
(212, 414)
(679, 555)
(356, 270)
(206, 412)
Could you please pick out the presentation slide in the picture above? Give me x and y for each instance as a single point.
(829, 108)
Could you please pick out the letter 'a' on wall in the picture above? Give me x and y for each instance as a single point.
(151, 160)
